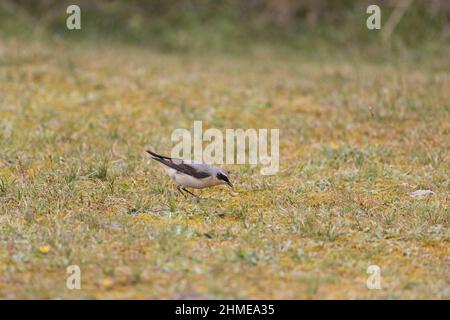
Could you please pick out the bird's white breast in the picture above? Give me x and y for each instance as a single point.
(171, 172)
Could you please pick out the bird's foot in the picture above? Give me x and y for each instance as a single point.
(191, 193)
(179, 188)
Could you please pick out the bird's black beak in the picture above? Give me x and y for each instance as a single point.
(232, 191)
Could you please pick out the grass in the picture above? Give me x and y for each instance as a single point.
(76, 186)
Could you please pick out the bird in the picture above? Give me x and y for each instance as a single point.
(192, 174)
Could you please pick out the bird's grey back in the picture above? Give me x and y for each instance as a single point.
(193, 168)
(202, 167)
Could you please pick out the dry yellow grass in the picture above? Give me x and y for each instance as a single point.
(77, 188)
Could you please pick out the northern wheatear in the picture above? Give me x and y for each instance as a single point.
(191, 174)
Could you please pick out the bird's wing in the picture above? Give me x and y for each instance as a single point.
(196, 170)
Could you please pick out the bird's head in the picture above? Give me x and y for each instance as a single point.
(224, 178)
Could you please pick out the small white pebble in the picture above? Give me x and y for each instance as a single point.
(419, 193)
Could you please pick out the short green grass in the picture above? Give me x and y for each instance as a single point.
(76, 186)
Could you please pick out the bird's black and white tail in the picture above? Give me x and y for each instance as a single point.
(157, 156)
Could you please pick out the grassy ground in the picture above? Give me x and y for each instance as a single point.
(356, 138)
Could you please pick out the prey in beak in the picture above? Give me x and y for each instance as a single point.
(224, 178)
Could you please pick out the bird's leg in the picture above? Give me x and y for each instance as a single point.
(179, 188)
(189, 192)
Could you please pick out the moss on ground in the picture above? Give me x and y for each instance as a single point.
(76, 186)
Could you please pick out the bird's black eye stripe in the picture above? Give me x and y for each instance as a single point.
(223, 177)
